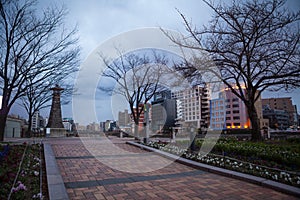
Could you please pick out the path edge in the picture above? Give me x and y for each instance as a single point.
(287, 189)
(56, 186)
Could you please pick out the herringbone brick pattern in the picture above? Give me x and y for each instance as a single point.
(88, 174)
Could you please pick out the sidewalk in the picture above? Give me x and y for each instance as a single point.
(92, 168)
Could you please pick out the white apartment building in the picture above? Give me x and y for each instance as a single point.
(35, 122)
(124, 118)
(193, 105)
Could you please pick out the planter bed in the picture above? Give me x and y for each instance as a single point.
(22, 172)
(242, 157)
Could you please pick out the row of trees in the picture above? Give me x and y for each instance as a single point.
(36, 52)
(254, 46)
(253, 43)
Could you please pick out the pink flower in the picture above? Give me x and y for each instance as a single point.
(22, 187)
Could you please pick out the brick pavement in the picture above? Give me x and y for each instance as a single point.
(92, 168)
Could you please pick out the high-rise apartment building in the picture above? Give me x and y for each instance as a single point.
(229, 112)
(163, 112)
(283, 103)
(193, 106)
(124, 119)
(35, 122)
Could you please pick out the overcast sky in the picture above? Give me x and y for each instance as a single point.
(101, 20)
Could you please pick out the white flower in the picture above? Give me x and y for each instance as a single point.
(36, 173)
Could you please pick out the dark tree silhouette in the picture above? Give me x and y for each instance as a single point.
(254, 44)
(33, 48)
(138, 78)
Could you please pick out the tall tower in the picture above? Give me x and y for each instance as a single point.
(55, 119)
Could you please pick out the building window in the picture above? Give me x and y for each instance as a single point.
(235, 99)
(228, 118)
(236, 124)
(236, 117)
(235, 105)
(228, 112)
(235, 111)
(228, 106)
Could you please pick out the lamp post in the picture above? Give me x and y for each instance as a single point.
(146, 123)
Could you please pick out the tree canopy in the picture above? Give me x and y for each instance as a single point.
(253, 43)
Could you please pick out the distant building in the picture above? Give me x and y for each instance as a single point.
(102, 126)
(124, 119)
(193, 106)
(37, 122)
(278, 119)
(229, 112)
(13, 127)
(163, 112)
(68, 124)
(93, 127)
(286, 104)
(109, 125)
(80, 127)
(218, 112)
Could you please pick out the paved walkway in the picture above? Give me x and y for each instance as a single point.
(93, 168)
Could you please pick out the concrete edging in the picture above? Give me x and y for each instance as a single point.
(291, 190)
(56, 186)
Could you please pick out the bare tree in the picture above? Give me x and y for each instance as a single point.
(38, 97)
(138, 79)
(33, 47)
(255, 45)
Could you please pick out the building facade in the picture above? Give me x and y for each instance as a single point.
(229, 112)
(286, 104)
(278, 119)
(163, 112)
(193, 106)
(124, 119)
(13, 127)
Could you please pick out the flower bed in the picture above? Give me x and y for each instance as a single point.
(20, 172)
(261, 167)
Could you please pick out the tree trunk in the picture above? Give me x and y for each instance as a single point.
(28, 132)
(255, 125)
(136, 131)
(3, 117)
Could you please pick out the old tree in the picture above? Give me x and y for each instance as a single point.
(137, 76)
(253, 43)
(35, 49)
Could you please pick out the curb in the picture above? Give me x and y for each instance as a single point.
(56, 186)
(291, 190)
